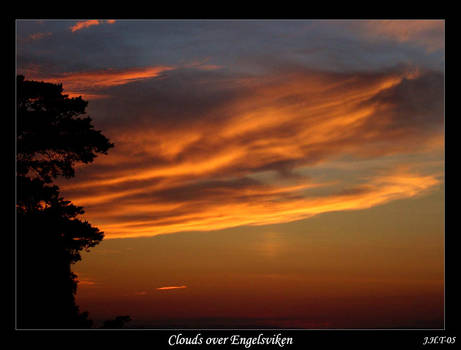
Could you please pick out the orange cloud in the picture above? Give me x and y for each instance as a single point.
(86, 282)
(89, 23)
(171, 287)
(84, 24)
(250, 166)
(274, 208)
(109, 77)
(88, 83)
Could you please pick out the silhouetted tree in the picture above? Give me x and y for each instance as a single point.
(118, 322)
(51, 139)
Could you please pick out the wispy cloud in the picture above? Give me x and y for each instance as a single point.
(181, 168)
(236, 209)
(88, 84)
(86, 282)
(89, 23)
(109, 77)
(171, 287)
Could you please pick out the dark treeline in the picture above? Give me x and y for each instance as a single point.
(52, 136)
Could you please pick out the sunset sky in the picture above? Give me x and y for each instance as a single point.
(265, 173)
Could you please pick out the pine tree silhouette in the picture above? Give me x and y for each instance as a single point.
(51, 138)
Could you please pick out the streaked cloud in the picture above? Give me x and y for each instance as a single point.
(210, 151)
(89, 23)
(88, 83)
(86, 282)
(171, 287)
(205, 214)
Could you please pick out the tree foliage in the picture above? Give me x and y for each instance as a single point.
(51, 138)
(117, 322)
